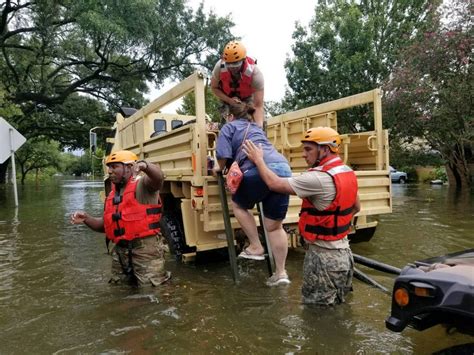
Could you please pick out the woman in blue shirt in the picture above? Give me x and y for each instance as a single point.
(253, 190)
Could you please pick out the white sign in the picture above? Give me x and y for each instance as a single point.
(17, 140)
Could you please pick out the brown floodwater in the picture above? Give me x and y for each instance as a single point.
(55, 299)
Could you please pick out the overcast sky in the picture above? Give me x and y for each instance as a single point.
(265, 28)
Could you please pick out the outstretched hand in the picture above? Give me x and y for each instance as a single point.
(78, 217)
(253, 152)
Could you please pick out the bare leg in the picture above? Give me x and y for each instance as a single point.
(278, 242)
(247, 222)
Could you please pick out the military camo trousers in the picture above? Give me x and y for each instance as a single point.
(140, 262)
(327, 275)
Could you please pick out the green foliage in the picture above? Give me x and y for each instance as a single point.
(60, 57)
(350, 47)
(429, 95)
(7, 109)
(37, 154)
(274, 108)
(212, 105)
(83, 164)
(440, 173)
(404, 157)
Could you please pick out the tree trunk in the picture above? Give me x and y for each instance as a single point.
(457, 168)
(3, 171)
(23, 174)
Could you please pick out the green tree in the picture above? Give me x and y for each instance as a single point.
(37, 154)
(67, 63)
(430, 97)
(188, 106)
(349, 47)
(106, 49)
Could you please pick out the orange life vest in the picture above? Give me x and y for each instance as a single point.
(334, 222)
(241, 88)
(127, 219)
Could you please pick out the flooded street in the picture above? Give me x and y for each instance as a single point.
(55, 299)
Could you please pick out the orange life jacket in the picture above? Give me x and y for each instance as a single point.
(241, 88)
(127, 219)
(334, 222)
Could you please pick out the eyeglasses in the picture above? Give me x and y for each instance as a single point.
(234, 65)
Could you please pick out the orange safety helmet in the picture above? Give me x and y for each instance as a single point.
(234, 51)
(121, 156)
(323, 136)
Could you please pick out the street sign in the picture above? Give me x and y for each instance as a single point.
(17, 140)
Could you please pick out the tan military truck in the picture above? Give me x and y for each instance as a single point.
(184, 145)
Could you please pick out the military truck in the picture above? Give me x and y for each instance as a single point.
(184, 147)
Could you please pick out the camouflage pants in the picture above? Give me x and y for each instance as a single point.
(327, 275)
(139, 262)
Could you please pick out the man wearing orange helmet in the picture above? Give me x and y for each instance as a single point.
(236, 78)
(330, 200)
(131, 220)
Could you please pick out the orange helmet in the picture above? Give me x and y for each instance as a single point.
(323, 136)
(121, 156)
(234, 51)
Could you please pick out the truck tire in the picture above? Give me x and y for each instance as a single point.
(172, 231)
(402, 180)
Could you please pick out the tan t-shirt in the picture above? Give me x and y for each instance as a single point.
(257, 77)
(319, 188)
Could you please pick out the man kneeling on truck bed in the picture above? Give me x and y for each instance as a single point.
(329, 193)
(131, 220)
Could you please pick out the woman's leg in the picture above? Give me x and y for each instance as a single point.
(248, 225)
(278, 242)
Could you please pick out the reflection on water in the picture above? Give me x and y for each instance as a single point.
(54, 296)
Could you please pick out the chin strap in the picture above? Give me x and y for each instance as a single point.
(318, 160)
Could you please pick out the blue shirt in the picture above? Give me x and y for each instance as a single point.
(230, 139)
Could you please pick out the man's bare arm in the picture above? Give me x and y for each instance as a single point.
(153, 178)
(221, 94)
(94, 223)
(259, 109)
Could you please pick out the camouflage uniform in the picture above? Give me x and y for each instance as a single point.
(140, 262)
(327, 275)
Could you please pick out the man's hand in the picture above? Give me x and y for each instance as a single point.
(254, 153)
(235, 100)
(78, 217)
(138, 166)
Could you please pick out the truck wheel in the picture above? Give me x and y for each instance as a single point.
(173, 232)
(402, 180)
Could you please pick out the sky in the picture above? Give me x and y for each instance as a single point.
(265, 28)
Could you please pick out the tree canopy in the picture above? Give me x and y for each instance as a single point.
(429, 95)
(66, 63)
(349, 47)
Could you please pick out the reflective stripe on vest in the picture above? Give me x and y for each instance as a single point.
(127, 219)
(334, 222)
(241, 88)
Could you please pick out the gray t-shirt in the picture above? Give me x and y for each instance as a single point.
(319, 188)
(257, 77)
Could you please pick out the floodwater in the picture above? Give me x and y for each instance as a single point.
(55, 299)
